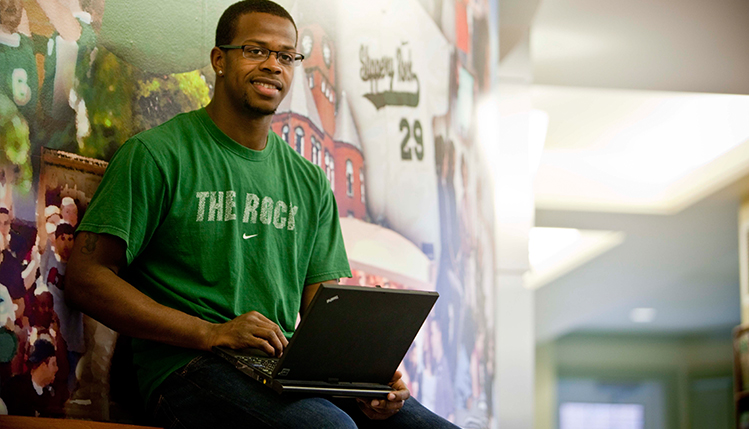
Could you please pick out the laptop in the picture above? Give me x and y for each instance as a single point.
(348, 344)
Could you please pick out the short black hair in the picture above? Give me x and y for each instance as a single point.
(41, 352)
(64, 228)
(227, 24)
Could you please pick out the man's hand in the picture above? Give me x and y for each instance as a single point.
(250, 330)
(380, 409)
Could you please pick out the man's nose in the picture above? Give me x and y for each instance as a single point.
(271, 63)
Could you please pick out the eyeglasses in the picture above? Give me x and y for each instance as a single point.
(259, 54)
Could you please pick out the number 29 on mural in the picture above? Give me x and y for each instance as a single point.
(413, 140)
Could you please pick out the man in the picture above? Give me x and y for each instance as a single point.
(69, 211)
(15, 242)
(31, 394)
(221, 234)
(63, 242)
(53, 266)
(11, 270)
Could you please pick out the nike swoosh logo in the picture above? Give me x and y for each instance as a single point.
(245, 236)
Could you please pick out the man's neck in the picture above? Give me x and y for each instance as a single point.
(251, 131)
(38, 382)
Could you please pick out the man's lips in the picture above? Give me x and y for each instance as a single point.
(265, 86)
(269, 83)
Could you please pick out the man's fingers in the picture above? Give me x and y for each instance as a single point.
(394, 400)
(399, 395)
(261, 344)
(383, 410)
(281, 336)
(271, 338)
(386, 406)
(263, 328)
(281, 341)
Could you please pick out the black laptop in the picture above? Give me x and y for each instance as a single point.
(348, 344)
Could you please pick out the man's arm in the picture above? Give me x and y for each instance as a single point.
(93, 286)
(309, 292)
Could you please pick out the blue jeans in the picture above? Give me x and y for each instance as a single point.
(210, 393)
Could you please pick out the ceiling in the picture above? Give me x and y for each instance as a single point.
(655, 91)
(637, 151)
(660, 45)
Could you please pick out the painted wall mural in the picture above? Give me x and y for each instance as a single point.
(384, 103)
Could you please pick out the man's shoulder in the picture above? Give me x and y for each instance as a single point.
(299, 163)
(172, 129)
(165, 142)
(20, 383)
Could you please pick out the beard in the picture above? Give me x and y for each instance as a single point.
(258, 111)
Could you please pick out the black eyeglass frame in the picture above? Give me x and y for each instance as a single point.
(298, 58)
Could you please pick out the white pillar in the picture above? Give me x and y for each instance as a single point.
(744, 260)
(515, 337)
(514, 376)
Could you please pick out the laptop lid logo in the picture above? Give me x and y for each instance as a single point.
(331, 299)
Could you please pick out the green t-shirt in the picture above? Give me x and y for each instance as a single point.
(215, 229)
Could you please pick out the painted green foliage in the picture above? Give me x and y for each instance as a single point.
(158, 98)
(122, 100)
(109, 96)
(15, 144)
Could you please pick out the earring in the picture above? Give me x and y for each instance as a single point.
(220, 72)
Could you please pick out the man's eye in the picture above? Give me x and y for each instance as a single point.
(255, 52)
(286, 57)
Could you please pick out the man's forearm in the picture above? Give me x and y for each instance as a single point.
(309, 293)
(93, 287)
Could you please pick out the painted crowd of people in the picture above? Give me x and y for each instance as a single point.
(43, 338)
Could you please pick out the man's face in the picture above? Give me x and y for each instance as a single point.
(64, 246)
(70, 214)
(259, 87)
(49, 370)
(4, 224)
(44, 309)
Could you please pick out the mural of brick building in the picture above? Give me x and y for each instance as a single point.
(350, 161)
(307, 120)
(298, 122)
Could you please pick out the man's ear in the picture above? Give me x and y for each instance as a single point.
(218, 60)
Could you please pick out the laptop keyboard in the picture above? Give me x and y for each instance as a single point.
(266, 365)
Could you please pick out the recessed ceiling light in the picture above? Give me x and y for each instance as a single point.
(642, 315)
(553, 252)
